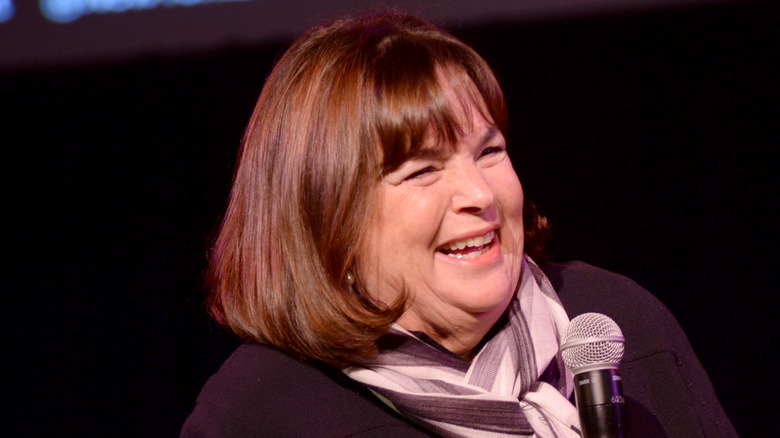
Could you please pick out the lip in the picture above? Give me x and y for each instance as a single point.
(469, 236)
(493, 253)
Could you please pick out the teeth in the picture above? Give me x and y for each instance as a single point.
(472, 242)
(471, 255)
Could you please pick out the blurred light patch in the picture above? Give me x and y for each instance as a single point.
(66, 11)
(7, 10)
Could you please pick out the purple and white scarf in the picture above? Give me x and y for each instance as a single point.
(515, 386)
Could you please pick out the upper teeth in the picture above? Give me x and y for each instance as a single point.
(472, 241)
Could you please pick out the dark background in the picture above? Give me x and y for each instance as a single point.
(647, 138)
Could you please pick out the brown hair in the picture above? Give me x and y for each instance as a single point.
(348, 102)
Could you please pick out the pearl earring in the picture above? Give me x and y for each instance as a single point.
(349, 278)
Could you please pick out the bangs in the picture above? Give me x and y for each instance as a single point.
(412, 112)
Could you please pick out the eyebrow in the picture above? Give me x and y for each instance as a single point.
(432, 152)
(489, 135)
(436, 151)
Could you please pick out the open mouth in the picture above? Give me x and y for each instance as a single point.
(469, 248)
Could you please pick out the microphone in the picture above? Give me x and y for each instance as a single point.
(592, 349)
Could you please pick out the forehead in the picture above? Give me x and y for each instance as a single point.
(451, 109)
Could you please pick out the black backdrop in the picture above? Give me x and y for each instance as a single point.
(646, 138)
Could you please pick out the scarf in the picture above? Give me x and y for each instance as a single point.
(516, 385)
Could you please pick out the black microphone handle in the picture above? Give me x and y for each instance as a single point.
(599, 396)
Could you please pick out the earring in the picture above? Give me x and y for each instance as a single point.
(349, 278)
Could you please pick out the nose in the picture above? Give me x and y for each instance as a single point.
(471, 191)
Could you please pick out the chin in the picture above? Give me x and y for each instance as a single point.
(479, 297)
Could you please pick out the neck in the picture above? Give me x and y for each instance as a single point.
(462, 338)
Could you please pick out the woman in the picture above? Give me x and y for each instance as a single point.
(377, 256)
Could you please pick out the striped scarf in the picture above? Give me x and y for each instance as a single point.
(512, 387)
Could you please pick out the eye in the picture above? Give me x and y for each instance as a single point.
(419, 173)
(491, 150)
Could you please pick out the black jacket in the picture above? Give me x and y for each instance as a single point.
(263, 392)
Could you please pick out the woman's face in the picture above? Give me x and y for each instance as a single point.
(449, 231)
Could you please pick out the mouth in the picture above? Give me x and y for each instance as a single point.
(470, 248)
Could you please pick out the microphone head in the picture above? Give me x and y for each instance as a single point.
(592, 342)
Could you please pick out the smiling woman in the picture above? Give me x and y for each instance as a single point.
(379, 259)
(449, 228)
(309, 190)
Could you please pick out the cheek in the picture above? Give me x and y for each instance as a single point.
(410, 221)
(397, 244)
(371, 265)
(509, 195)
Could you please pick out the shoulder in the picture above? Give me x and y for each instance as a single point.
(261, 391)
(664, 383)
(644, 320)
(586, 288)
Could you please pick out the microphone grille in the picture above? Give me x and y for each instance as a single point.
(592, 341)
